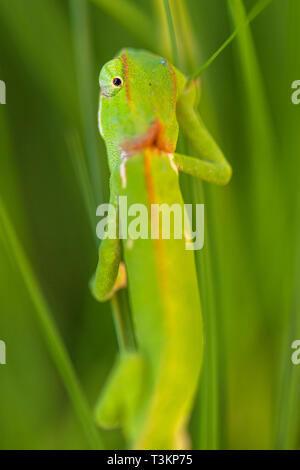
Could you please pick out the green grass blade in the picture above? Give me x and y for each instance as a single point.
(264, 195)
(208, 432)
(287, 425)
(50, 333)
(256, 10)
(185, 32)
(123, 322)
(265, 187)
(175, 55)
(131, 17)
(163, 43)
(78, 161)
(205, 424)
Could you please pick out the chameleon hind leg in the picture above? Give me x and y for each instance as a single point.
(122, 394)
(213, 166)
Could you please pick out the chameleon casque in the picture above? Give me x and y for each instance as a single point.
(150, 392)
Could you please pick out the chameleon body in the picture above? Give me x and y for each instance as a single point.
(150, 392)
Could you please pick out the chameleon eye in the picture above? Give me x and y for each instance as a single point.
(117, 82)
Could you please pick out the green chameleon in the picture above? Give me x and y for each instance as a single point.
(150, 393)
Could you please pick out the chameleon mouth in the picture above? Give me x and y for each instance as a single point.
(154, 137)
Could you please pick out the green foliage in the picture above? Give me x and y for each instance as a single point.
(51, 53)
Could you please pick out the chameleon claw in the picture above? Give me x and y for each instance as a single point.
(121, 281)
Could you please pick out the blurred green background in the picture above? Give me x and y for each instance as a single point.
(51, 52)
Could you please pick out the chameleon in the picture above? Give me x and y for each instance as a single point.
(150, 391)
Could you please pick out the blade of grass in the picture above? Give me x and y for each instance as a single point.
(123, 322)
(208, 426)
(52, 337)
(287, 424)
(163, 46)
(256, 10)
(205, 424)
(9, 177)
(264, 197)
(287, 420)
(186, 34)
(265, 187)
(187, 46)
(131, 17)
(175, 55)
(81, 171)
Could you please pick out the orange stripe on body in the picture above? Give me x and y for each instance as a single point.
(126, 74)
(152, 199)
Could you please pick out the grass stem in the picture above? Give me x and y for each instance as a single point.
(172, 33)
(256, 10)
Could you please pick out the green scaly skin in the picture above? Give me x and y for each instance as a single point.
(150, 393)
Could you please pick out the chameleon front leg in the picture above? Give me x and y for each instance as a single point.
(110, 273)
(213, 167)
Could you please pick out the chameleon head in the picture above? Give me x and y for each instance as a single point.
(139, 91)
